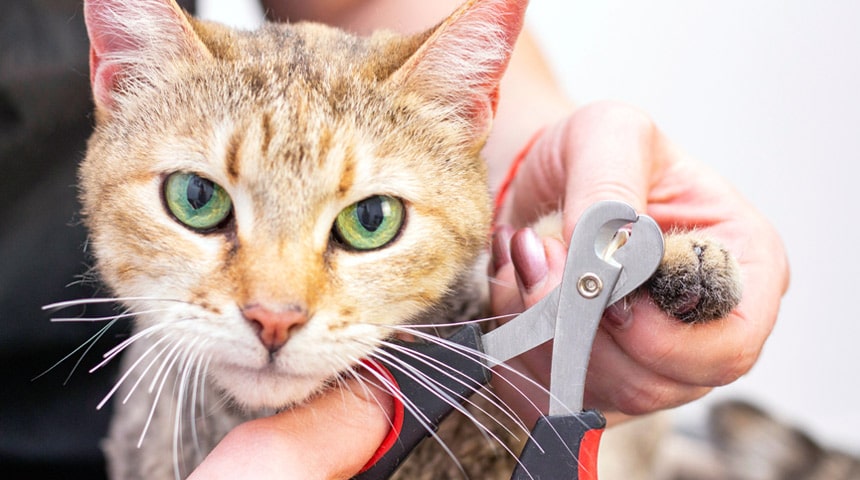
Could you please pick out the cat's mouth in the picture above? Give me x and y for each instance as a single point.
(267, 386)
(269, 370)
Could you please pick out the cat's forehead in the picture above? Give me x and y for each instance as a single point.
(291, 116)
(307, 56)
(287, 95)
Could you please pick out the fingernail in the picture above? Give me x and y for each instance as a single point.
(501, 247)
(528, 257)
(620, 314)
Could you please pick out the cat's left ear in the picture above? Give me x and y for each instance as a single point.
(132, 42)
(462, 61)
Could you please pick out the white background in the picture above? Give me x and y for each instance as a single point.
(768, 93)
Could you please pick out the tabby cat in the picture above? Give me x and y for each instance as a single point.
(271, 206)
(737, 441)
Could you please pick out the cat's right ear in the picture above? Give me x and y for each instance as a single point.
(132, 42)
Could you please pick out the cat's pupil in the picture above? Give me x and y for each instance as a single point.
(370, 213)
(199, 192)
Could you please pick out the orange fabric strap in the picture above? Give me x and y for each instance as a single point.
(396, 421)
(504, 187)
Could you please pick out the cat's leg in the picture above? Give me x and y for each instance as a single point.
(697, 280)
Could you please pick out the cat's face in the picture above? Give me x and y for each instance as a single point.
(274, 198)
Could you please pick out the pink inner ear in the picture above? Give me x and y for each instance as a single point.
(103, 76)
(126, 33)
(464, 59)
(109, 37)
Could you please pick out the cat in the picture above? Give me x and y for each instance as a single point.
(739, 441)
(272, 206)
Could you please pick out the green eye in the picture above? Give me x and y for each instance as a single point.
(371, 223)
(196, 202)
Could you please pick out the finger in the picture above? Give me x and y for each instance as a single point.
(603, 151)
(616, 382)
(538, 264)
(504, 293)
(718, 352)
(306, 441)
(708, 354)
(524, 269)
(611, 153)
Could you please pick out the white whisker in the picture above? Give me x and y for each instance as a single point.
(158, 393)
(125, 314)
(500, 368)
(116, 350)
(126, 374)
(452, 324)
(181, 388)
(196, 386)
(448, 395)
(163, 366)
(203, 377)
(87, 345)
(475, 355)
(434, 386)
(362, 382)
(145, 371)
(476, 387)
(413, 410)
(479, 356)
(92, 301)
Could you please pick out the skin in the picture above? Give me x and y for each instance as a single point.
(306, 441)
(642, 361)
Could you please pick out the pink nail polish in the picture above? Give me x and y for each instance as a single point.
(501, 247)
(528, 257)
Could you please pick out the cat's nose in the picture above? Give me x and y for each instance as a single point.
(274, 327)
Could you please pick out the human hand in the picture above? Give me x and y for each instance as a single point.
(642, 359)
(331, 437)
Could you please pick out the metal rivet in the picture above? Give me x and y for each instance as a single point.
(589, 285)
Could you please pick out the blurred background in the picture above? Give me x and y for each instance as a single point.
(768, 93)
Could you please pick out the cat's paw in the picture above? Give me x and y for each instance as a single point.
(697, 280)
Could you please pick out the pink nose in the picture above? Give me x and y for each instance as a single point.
(273, 327)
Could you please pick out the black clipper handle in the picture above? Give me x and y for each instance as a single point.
(562, 446)
(433, 403)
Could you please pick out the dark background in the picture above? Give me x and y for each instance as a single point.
(49, 427)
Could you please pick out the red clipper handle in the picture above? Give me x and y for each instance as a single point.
(450, 375)
(562, 446)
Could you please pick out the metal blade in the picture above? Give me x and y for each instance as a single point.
(525, 332)
(572, 317)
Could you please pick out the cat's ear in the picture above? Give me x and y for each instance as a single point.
(132, 42)
(462, 61)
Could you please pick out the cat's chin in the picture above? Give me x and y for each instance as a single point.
(257, 389)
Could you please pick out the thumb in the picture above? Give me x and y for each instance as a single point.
(331, 437)
(604, 151)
